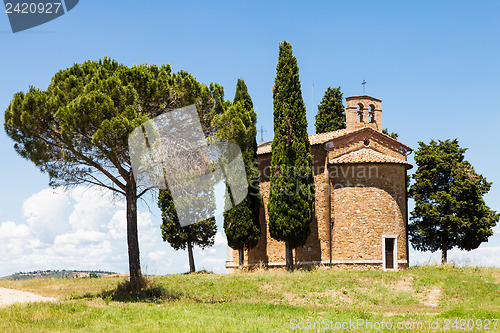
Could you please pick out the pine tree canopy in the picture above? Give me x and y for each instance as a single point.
(77, 129)
(449, 207)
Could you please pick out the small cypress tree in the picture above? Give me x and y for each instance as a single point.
(242, 95)
(201, 233)
(291, 195)
(331, 112)
(238, 124)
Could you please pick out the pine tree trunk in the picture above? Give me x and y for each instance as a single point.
(134, 263)
(241, 253)
(289, 257)
(192, 269)
(444, 252)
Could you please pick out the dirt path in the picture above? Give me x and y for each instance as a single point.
(11, 296)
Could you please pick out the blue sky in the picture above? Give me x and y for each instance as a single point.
(434, 64)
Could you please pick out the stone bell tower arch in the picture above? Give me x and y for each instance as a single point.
(363, 111)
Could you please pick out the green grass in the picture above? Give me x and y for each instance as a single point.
(264, 301)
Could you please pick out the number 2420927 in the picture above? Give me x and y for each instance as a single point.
(33, 8)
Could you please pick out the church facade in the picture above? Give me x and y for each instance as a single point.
(361, 209)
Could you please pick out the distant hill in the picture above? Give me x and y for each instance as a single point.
(64, 274)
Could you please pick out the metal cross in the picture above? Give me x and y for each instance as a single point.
(262, 133)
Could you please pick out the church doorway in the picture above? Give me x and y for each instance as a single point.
(389, 252)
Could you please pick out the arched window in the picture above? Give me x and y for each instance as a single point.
(371, 113)
(360, 113)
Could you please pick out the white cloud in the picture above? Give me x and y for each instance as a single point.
(212, 264)
(483, 256)
(80, 238)
(93, 206)
(220, 239)
(85, 228)
(46, 212)
(117, 227)
(157, 255)
(12, 230)
(213, 258)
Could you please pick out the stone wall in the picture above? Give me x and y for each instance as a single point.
(367, 201)
(271, 251)
(349, 143)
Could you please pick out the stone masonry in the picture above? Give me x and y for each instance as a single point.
(361, 200)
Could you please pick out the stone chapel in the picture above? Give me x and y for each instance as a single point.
(361, 205)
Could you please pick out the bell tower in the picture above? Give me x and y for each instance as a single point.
(363, 111)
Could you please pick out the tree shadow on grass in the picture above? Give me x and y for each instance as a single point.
(148, 292)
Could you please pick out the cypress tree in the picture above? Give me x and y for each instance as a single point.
(242, 95)
(331, 112)
(238, 125)
(201, 233)
(291, 194)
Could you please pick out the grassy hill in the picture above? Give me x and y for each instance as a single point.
(454, 299)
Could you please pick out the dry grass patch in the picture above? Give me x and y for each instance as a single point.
(427, 296)
(336, 296)
(433, 297)
(404, 284)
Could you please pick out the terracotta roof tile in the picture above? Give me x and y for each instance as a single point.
(324, 137)
(313, 139)
(265, 147)
(367, 155)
